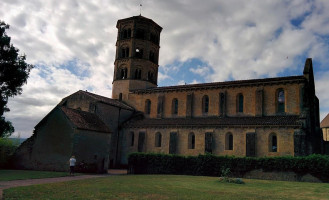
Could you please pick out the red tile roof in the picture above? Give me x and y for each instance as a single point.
(265, 121)
(85, 120)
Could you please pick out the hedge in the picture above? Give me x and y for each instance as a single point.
(210, 165)
(7, 148)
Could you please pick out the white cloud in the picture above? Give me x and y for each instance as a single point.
(237, 39)
(200, 70)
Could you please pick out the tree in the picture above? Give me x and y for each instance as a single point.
(14, 72)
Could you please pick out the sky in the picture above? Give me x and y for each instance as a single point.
(72, 45)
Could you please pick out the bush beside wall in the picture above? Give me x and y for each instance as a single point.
(210, 165)
(7, 148)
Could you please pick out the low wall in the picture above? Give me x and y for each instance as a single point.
(280, 176)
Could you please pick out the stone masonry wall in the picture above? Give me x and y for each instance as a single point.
(284, 137)
(292, 101)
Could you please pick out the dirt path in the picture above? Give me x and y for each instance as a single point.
(16, 183)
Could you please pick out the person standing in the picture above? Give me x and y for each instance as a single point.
(72, 162)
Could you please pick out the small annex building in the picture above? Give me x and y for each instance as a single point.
(261, 117)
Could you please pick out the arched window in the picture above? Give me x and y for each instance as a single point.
(147, 107)
(123, 73)
(191, 141)
(125, 33)
(228, 141)
(273, 142)
(154, 38)
(139, 53)
(124, 52)
(138, 74)
(239, 101)
(150, 76)
(140, 34)
(205, 104)
(152, 56)
(158, 138)
(132, 138)
(280, 99)
(174, 106)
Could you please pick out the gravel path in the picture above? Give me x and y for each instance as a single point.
(16, 183)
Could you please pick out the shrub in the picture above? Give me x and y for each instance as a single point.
(210, 165)
(7, 149)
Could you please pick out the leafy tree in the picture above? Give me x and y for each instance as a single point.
(14, 72)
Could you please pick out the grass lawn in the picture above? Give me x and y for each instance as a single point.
(9, 175)
(170, 187)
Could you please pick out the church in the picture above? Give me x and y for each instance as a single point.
(260, 117)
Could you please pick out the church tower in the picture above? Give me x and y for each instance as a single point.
(137, 55)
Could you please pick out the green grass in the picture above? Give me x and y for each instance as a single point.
(9, 175)
(170, 187)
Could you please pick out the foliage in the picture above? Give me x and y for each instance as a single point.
(210, 165)
(169, 187)
(7, 148)
(14, 72)
(9, 175)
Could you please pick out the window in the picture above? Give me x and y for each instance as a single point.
(240, 103)
(158, 138)
(150, 76)
(147, 107)
(280, 97)
(222, 104)
(175, 106)
(124, 52)
(229, 141)
(140, 34)
(273, 143)
(208, 143)
(141, 141)
(191, 141)
(132, 138)
(125, 33)
(139, 53)
(123, 73)
(205, 104)
(173, 143)
(152, 56)
(154, 38)
(138, 74)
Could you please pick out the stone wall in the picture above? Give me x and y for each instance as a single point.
(50, 147)
(285, 139)
(92, 148)
(250, 103)
(280, 176)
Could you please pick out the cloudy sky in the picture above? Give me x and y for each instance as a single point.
(72, 45)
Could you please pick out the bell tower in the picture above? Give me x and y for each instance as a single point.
(137, 56)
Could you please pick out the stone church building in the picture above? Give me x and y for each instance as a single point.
(259, 117)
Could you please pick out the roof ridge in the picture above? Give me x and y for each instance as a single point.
(284, 78)
(108, 100)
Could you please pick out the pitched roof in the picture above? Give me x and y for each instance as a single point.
(268, 121)
(106, 100)
(214, 85)
(85, 120)
(325, 122)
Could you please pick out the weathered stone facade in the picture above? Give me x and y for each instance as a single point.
(260, 117)
(283, 114)
(62, 133)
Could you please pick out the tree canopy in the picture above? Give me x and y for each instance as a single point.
(14, 72)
